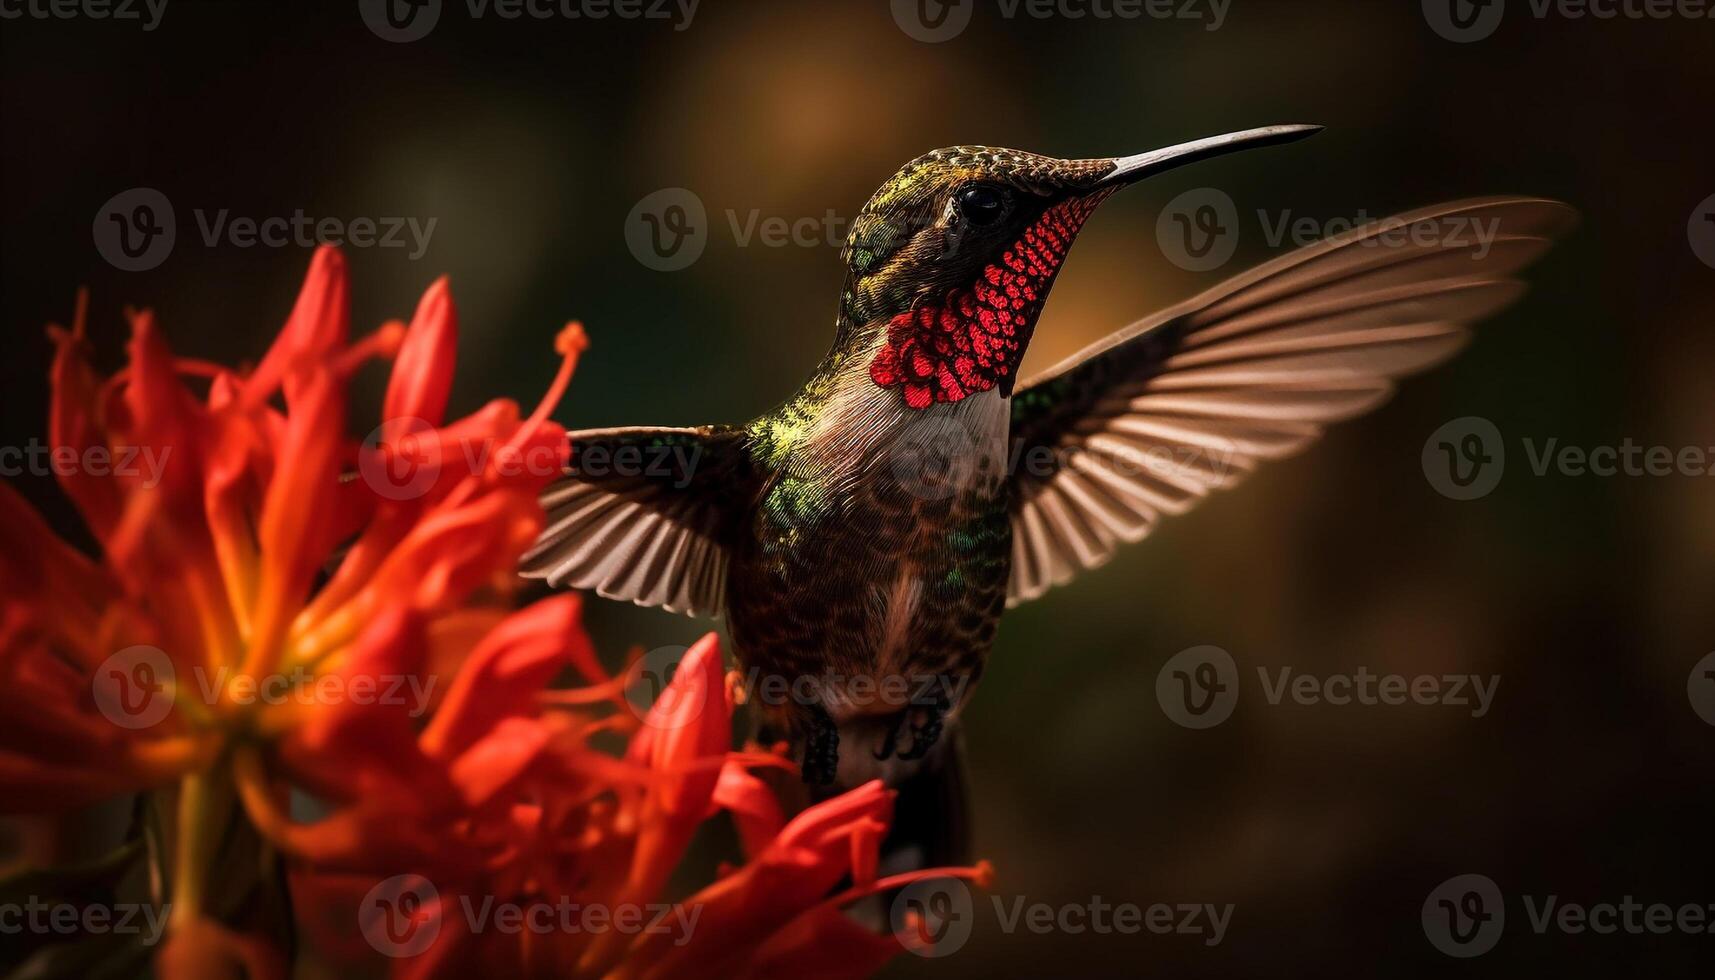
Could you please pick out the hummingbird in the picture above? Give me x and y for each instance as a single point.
(864, 538)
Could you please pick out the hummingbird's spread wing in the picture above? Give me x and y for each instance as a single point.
(1150, 420)
(643, 515)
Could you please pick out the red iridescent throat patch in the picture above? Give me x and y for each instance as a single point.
(974, 338)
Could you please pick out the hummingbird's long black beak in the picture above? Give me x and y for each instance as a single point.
(1134, 168)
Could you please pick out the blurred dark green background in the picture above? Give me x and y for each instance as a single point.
(529, 141)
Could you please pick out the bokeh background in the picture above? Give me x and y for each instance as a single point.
(530, 141)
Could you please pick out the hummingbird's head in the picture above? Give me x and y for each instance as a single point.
(950, 262)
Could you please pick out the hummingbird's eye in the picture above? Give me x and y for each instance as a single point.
(982, 204)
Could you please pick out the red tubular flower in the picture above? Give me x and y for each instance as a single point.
(273, 611)
(572, 826)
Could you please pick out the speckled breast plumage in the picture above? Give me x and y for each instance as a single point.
(892, 566)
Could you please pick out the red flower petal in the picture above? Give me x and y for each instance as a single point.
(807, 859)
(501, 678)
(72, 424)
(753, 806)
(498, 758)
(824, 943)
(423, 373)
(318, 327)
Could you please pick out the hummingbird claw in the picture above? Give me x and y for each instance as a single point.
(888, 744)
(821, 748)
(925, 730)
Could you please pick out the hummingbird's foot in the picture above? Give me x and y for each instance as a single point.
(926, 720)
(889, 743)
(925, 731)
(821, 748)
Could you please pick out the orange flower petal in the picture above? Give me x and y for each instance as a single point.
(298, 519)
(370, 744)
(201, 950)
